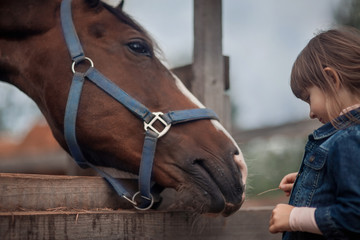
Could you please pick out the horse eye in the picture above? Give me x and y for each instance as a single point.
(139, 47)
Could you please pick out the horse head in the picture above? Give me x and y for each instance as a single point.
(199, 157)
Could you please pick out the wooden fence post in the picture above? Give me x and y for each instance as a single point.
(208, 67)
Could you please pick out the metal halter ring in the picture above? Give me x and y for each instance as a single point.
(145, 208)
(85, 58)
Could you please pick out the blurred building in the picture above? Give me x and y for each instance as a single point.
(37, 152)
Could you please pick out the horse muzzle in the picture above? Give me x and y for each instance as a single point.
(220, 187)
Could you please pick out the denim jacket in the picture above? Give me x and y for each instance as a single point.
(329, 180)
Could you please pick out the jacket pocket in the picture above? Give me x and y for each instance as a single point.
(313, 173)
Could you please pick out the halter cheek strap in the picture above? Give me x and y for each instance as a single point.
(149, 118)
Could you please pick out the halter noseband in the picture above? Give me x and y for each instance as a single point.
(138, 109)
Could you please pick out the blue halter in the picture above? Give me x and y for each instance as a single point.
(139, 110)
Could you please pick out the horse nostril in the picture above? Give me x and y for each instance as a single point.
(236, 152)
(198, 161)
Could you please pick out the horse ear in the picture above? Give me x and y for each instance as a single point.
(121, 5)
(117, 4)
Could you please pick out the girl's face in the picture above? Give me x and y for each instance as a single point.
(317, 102)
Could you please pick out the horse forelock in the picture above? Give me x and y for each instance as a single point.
(128, 20)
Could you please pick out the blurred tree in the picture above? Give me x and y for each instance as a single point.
(348, 13)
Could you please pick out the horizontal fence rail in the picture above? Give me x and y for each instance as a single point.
(66, 207)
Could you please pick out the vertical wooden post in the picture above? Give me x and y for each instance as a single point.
(208, 65)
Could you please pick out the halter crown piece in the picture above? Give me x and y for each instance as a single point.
(139, 110)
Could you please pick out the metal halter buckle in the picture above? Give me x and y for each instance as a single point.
(157, 116)
(129, 200)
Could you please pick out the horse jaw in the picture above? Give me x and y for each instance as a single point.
(238, 159)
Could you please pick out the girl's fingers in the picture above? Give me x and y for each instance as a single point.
(289, 178)
(287, 183)
(286, 187)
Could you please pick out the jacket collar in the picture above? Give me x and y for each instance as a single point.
(342, 122)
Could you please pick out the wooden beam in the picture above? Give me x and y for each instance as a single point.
(251, 224)
(226, 72)
(209, 67)
(42, 192)
(185, 73)
(68, 207)
(208, 64)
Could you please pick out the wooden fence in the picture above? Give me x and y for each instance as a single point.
(33, 207)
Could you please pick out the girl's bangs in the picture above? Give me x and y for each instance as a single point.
(299, 81)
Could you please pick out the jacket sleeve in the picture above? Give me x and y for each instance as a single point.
(342, 220)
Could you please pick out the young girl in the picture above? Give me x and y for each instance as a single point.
(325, 193)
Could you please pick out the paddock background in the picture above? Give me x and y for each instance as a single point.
(63, 207)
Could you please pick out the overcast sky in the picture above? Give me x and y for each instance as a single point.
(262, 38)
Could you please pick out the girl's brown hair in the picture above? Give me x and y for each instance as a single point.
(338, 49)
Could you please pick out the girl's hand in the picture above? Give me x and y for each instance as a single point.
(287, 183)
(279, 221)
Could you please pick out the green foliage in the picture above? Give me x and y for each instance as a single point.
(348, 13)
(269, 160)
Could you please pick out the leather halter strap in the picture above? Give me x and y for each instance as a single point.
(138, 109)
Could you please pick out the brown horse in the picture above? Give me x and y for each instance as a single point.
(199, 156)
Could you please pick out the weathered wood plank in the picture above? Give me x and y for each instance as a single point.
(248, 224)
(209, 64)
(41, 192)
(58, 194)
(185, 74)
(226, 72)
(227, 113)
